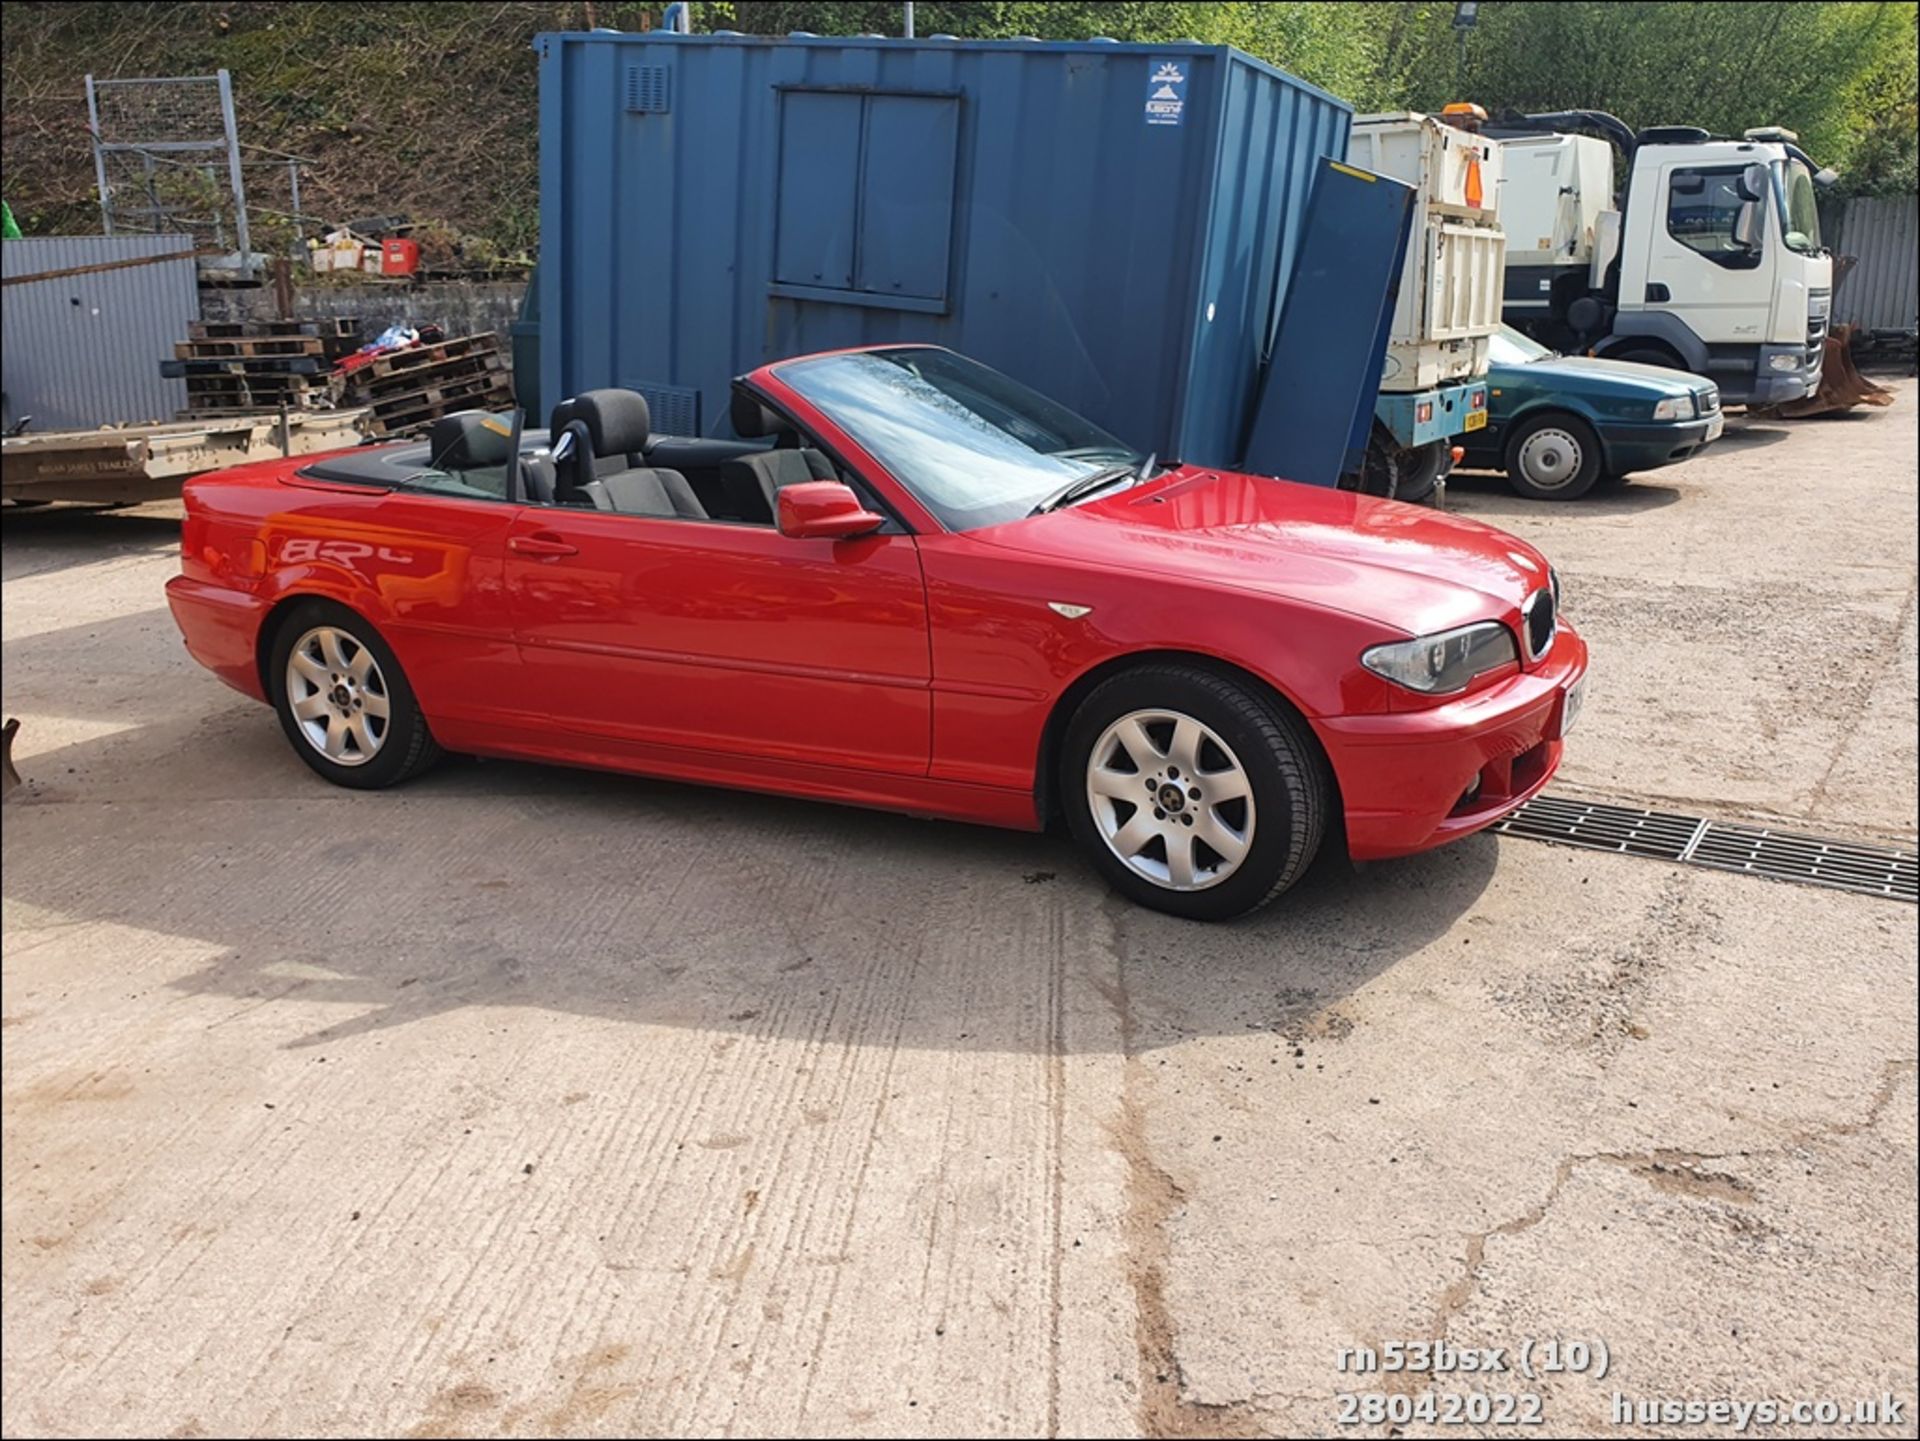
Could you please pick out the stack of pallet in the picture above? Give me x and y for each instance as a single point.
(244, 367)
(409, 389)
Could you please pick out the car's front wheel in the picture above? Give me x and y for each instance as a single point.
(1553, 457)
(1192, 793)
(343, 700)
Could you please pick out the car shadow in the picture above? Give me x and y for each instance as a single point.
(40, 540)
(1486, 493)
(1751, 433)
(645, 902)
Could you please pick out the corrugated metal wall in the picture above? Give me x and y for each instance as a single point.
(85, 350)
(1882, 292)
(712, 202)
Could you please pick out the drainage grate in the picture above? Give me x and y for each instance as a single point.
(1721, 845)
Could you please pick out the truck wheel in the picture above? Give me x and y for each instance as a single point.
(1423, 469)
(1553, 457)
(1380, 470)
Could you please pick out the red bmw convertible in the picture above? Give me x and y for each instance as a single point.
(913, 583)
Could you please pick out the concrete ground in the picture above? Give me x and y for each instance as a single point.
(530, 1101)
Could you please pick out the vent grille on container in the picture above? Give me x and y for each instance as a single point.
(674, 409)
(649, 89)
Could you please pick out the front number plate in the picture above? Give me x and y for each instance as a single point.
(1570, 704)
(1476, 420)
(1715, 426)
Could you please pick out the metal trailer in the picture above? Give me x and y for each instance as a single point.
(1114, 224)
(126, 464)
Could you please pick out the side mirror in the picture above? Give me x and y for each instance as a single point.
(824, 510)
(1746, 226)
(1752, 183)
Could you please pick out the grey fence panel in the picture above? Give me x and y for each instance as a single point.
(1883, 290)
(80, 351)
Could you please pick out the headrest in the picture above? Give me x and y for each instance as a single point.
(469, 440)
(618, 421)
(751, 419)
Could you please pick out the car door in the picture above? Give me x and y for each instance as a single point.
(724, 637)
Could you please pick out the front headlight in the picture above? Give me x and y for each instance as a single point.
(1443, 663)
(1784, 360)
(1680, 407)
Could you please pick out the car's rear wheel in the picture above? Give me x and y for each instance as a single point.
(1553, 457)
(1191, 793)
(343, 700)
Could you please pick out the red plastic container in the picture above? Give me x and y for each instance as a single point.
(399, 256)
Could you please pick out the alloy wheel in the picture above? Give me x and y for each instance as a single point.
(1170, 799)
(338, 696)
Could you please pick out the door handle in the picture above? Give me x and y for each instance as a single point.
(541, 544)
(1656, 292)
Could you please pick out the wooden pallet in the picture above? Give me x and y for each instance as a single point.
(332, 327)
(474, 396)
(387, 387)
(229, 347)
(270, 379)
(250, 365)
(395, 362)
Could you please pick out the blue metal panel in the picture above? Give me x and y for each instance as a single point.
(1133, 271)
(819, 188)
(1448, 407)
(1316, 400)
(906, 195)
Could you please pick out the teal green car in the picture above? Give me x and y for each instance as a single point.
(1558, 424)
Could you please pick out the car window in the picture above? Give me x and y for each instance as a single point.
(1507, 346)
(485, 482)
(1702, 207)
(974, 446)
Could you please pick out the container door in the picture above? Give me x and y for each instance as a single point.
(819, 188)
(1316, 400)
(906, 213)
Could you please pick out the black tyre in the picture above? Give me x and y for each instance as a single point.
(343, 700)
(1192, 793)
(1422, 470)
(1553, 457)
(1380, 467)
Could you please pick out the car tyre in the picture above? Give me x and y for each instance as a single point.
(343, 700)
(1233, 738)
(1553, 457)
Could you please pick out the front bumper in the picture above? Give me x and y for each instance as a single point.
(1411, 781)
(221, 628)
(1647, 447)
(1777, 387)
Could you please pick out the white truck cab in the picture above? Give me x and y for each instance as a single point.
(1712, 264)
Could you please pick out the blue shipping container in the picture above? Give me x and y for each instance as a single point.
(1113, 224)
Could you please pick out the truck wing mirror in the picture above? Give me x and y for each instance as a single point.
(1752, 184)
(1746, 226)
